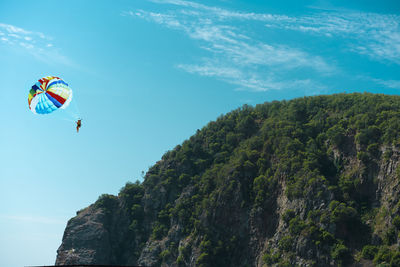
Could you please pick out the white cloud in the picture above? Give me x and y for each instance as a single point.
(13, 29)
(15, 35)
(376, 35)
(26, 45)
(165, 19)
(223, 14)
(35, 43)
(15, 32)
(371, 34)
(212, 70)
(248, 80)
(240, 57)
(395, 84)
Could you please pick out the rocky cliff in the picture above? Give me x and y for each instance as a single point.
(309, 182)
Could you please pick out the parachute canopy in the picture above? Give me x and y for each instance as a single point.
(49, 94)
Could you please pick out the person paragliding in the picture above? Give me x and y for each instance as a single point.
(78, 125)
(50, 94)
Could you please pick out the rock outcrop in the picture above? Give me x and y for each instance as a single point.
(307, 182)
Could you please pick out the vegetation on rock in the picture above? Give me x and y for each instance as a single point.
(310, 182)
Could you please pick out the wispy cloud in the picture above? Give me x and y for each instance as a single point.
(254, 81)
(243, 50)
(394, 84)
(14, 35)
(224, 14)
(35, 43)
(371, 34)
(386, 83)
(242, 59)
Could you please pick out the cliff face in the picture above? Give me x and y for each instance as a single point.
(309, 182)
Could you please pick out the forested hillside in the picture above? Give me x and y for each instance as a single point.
(312, 181)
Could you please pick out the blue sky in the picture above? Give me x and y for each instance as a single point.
(146, 75)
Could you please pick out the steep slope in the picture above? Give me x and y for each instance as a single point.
(311, 182)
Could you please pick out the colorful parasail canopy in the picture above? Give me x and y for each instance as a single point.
(49, 94)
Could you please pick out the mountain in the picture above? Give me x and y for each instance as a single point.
(312, 181)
